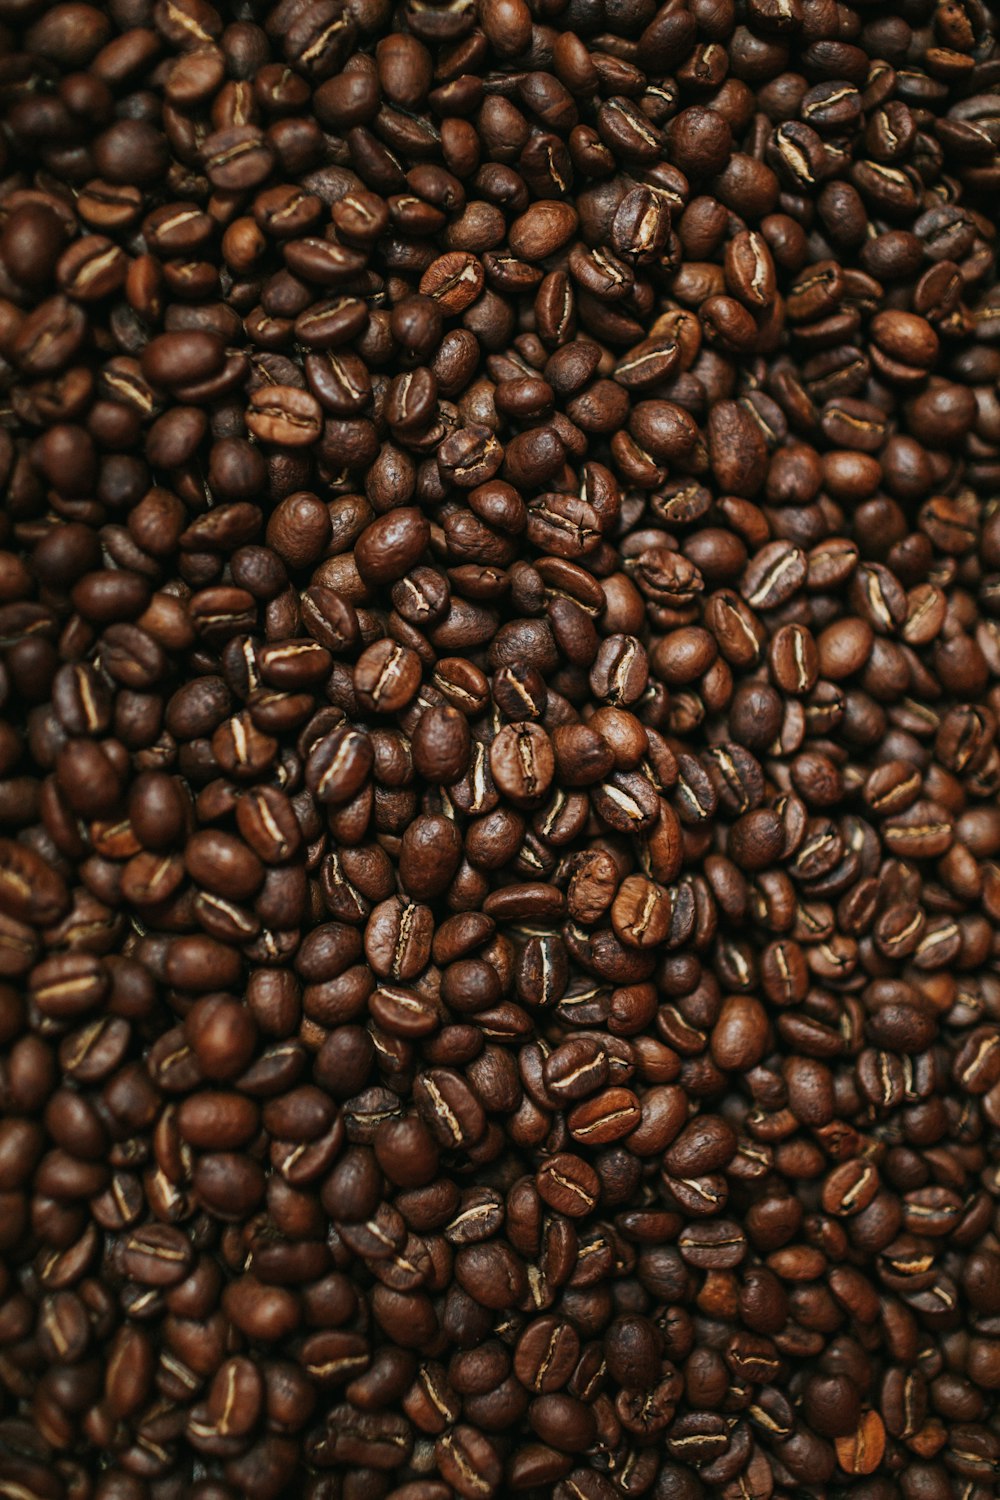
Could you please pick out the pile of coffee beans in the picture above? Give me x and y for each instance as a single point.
(499, 757)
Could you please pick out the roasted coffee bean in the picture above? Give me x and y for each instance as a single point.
(569, 1185)
(284, 416)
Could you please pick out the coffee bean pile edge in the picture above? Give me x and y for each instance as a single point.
(499, 685)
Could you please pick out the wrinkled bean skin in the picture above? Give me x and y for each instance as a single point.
(499, 757)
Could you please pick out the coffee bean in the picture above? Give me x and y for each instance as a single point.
(542, 230)
(569, 1185)
(604, 1117)
(156, 1256)
(704, 1145)
(30, 890)
(454, 280)
(522, 763)
(386, 677)
(285, 416)
(546, 1354)
(469, 1462)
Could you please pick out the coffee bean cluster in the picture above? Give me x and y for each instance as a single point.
(499, 760)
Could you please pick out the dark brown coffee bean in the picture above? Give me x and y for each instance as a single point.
(569, 1185)
(522, 763)
(546, 1354)
(386, 677)
(388, 548)
(30, 891)
(469, 1462)
(156, 1256)
(605, 1117)
(541, 231)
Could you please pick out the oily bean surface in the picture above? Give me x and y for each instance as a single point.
(499, 755)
